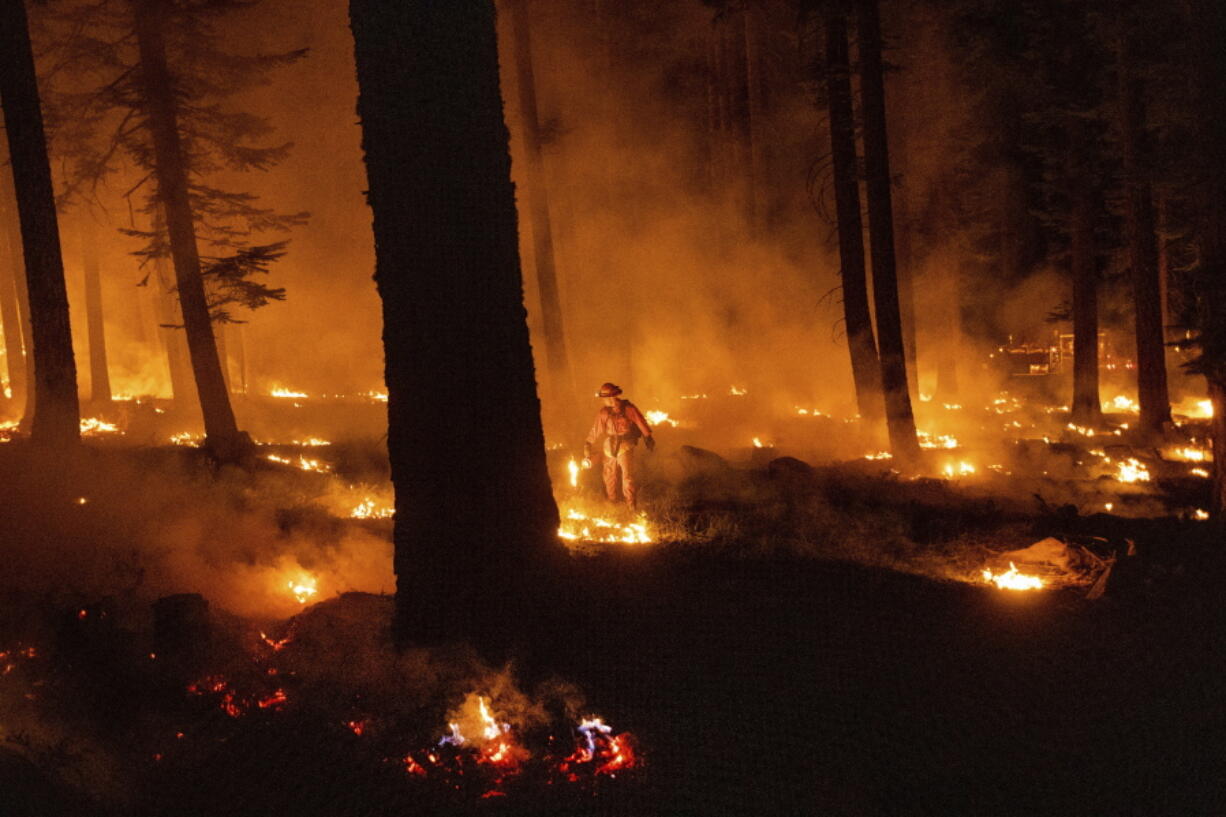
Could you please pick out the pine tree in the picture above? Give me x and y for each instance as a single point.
(475, 516)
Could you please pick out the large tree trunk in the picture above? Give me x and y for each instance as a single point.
(475, 518)
(898, 414)
(1086, 408)
(865, 366)
(99, 378)
(560, 377)
(1142, 248)
(14, 345)
(222, 436)
(1207, 24)
(905, 266)
(57, 413)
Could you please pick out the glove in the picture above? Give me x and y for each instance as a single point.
(650, 442)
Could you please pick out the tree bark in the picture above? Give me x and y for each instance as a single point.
(14, 346)
(865, 366)
(222, 436)
(538, 201)
(1086, 408)
(899, 418)
(99, 377)
(57, 414)
(476, 523)
(1142, 247)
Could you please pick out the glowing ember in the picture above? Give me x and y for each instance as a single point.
(693, 397)
(880, 455)
(303, 589)
(1199, 472)
(285, 393)
(369, 509)
(757, 443)
(1132, 470)
(92, 427)
(804, 412)
(738, 392)
(1082, 430)
(187, 438)
(1012, 579)
(1200, 514)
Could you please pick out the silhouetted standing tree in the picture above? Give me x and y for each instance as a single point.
(57, 411)
(899, 417)
(1140, 231)
(475, 516)
(538, 200)
(865, 365)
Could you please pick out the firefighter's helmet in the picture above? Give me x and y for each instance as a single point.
(609, 390)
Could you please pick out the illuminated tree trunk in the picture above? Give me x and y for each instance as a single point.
(222, 436)
(538, 200)
(898, 414)
(174, 345)
(476, 523)
(57, 412)
(99, 378)
(1142, 249)
(1086, 408)
(865, 366)
(14, 346)
(905, 267)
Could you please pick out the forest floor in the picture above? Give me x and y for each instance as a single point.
(798, 640)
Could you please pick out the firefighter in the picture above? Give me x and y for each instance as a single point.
(620, 424)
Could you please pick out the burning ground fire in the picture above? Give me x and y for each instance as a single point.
(479, 748)
(480, 753)
(1012, 579)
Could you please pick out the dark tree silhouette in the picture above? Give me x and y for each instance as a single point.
(1141, 234)
(865, 365)
(538, 205)
(899, 418)
(10, 312)
(57, 411)
(99, 376)
(475, 517)
(171, 170)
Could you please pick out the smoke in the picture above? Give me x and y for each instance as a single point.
(135, 528)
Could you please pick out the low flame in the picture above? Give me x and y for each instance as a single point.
(1012, 579)
(960, 469)
(929, 440)
(303, 588)
(738, 392)
(93, 427)
(1200, 514)
(657, 417)
(1189, 453)
(757, 442)
(1132, 470)
(302, 463)
(572, 468)
(880, 455)
(282, 392)
(187, 438)
(1124, 404)
(578, 526)
(370, 509)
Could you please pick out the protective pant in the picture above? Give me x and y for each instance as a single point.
(622, 458)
